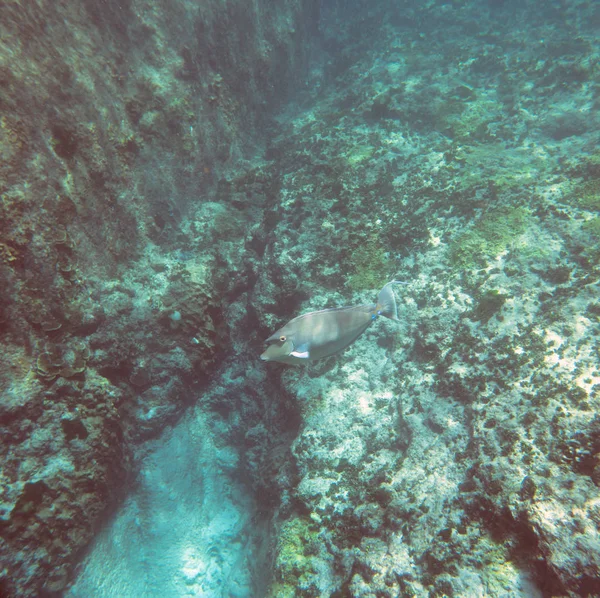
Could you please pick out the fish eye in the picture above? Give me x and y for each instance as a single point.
(282, 338)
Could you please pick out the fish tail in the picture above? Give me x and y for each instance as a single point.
(386, 301)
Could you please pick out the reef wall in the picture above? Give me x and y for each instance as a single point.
(118, 120)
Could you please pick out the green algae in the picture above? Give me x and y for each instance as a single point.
(492, 234)
(592, 250)
(468, 121)
(359, 153)
(493, 165)
(592, 226)
(369, 265)
(592, 163)
(296, 547)
(588, 195)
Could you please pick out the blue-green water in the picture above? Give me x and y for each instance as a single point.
(185, 530)
(179, 180)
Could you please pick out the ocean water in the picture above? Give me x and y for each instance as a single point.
(180, 180)
(186, 528)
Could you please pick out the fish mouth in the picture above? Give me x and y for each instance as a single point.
(264, 357)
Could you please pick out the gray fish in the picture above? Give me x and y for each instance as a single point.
(323, 333)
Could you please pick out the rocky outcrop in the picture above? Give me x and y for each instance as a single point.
(454, 453)
(118, 121)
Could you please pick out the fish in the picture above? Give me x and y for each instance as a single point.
(320, 334)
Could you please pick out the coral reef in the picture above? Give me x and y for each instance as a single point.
(178, 179)
(118, 123)
(450, 454)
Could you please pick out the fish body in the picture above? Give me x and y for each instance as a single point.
(319, 334)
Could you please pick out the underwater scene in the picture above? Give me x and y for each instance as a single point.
(299, 298)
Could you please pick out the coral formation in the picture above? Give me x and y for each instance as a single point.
(178, 179)
(117, 126)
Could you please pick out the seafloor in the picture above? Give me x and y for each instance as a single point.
(178, 179)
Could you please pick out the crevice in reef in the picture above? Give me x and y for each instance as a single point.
(200, 514)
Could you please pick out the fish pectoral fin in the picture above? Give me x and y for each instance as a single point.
(301, 352)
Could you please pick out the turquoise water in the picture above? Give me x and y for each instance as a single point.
(185, 530)
(179, 180)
